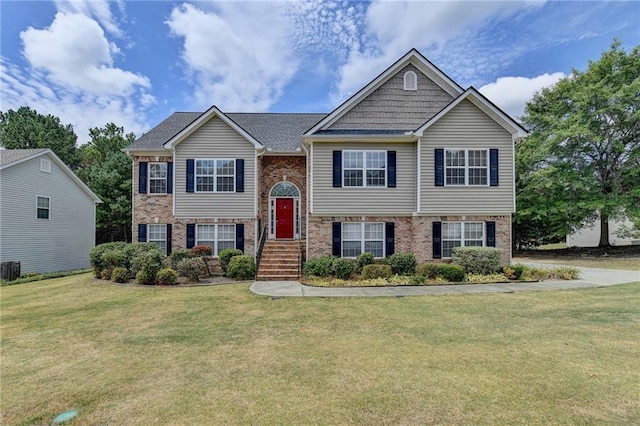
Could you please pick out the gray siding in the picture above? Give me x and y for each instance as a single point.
(391, 107)
(214, 139)
(466, 126)
(364, 201)
(60, 243)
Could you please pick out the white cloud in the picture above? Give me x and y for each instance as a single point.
(99, 9)
(512, 93)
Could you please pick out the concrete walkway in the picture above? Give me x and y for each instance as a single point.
(589, 277)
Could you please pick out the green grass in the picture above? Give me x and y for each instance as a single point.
(222, 355)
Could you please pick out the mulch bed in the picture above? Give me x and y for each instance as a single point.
(182, 282)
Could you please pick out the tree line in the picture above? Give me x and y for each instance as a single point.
(579, 164)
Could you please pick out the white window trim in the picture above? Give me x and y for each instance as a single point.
(215, 175)
(364, 168)
(45, 165)
(150, 240)
(363, 239)
(405, 81)
(466, 166)
(462, 239)
(48, 208)
(215, 235)
(166, 179)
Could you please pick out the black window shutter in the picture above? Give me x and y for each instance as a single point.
(169, 177)
(142, 177)
(391, 167)
(239, 175)
(436, 242)
(337, 239)
(439, 167)
(240, 236)
(493, 167)
(191, 235)
(190, 174)
(389, 233)
(168, 239)
(142, 233)
(337, 169)
(491, 234)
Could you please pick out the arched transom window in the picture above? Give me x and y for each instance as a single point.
(285, 189)
(410, 81)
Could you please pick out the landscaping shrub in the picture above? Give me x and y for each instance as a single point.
(509, 272)
(376, 271)
(403, 263)
(95, 256)
(147, 264)
(134, 251)
(534, 274)
(518, 270)
(201, 251)
(345, 268)
(119, 275)
(106, 274)
(146, 277)
(225, 257)
(192, 268)
(176, 256)
(478, 260)
(167, 276)
(323, 266)
(418, 279)
(242, 267)
(113, 259)
(366, 259)
(452, 273)
(428, 270)
(565, 273)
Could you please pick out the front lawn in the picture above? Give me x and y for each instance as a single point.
(222, 355)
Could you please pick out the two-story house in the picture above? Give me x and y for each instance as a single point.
(411, 163)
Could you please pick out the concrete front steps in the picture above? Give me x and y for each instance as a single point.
(279, 261)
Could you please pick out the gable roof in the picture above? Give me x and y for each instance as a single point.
(12, 157)
(164, 131)
(412, 57)
(488, 107)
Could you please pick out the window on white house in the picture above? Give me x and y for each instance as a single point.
(461, 234)
(43, 207)
(215, 175)
(217, 236)
(157, 234)
(158, 178)
(362, 237)
(410, 81)
(45, 165)
(364, 168)
(466, 167)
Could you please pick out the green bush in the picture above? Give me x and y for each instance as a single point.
(192, 268)
(345, 268)
(114, 259)
(323, 266)
(106, 274)
(418, 279)
(133, 253)
(452, 273)
(201, 251)
(403, 263)
(95, 256)
(518, 270)
(225, 257)
(176, 256)
(428, 270)
(478, 260)
(119, 275)
(242, 267)
(366, 259)
(167, 276)
(145, 277)
(376, 271)
(149, 261)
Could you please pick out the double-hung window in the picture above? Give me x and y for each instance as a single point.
(215, 175)
(217, 236)
(461, 234)
(157, 234)
(364, 168)
(43, 205)
(158, 178)
(362, 237)
(466, 167)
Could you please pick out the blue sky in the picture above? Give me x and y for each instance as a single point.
(134, 63)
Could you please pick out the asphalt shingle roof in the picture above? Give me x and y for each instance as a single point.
(278, 131)
(10, 155)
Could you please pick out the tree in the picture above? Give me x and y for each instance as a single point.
(107, 171)
(581, 161)
(27, 129)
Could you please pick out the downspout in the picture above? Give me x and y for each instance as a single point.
(308, 206)
(255, 206)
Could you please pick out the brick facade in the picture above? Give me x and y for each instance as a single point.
(412, 234)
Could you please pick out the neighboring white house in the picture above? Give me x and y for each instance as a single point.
(589, 236)
(47, 214)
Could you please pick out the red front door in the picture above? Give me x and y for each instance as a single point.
(284, 217)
